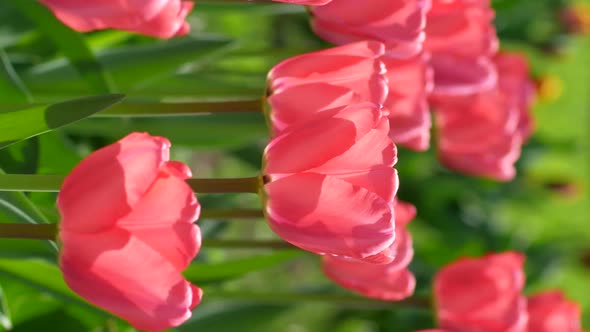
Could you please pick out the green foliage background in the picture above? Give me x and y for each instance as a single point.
(543, 213)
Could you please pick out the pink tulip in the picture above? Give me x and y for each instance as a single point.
(330, 183)
(482, 134)
(482, 294)
(304, 85)
(306, 2)
(551, 312)
(127, 232)
(157, 18)
(461, 38)
(389, 282)
(410, 83)
(399, 24)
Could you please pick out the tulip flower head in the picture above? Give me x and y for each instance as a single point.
(482, 294)
(330, 184)
(391, 281)
(127, 232)
(304, 85)
(461, 38)
(551, 311)
(410, 82)
(305, 2)
(156, 18)
(398, 24)
(482, 134)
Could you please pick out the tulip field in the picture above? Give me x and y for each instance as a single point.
(295, 165)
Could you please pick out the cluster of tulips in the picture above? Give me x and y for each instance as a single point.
(328, 184)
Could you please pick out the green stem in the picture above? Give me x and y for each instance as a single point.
(231, 213)
(287, 298)
(234, 185)
(246, 244)
(52, 183)
(28, 231)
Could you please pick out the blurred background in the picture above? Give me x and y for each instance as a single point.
(544, 212)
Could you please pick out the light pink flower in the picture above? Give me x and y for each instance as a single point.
(410, 83)
(157, 18)
(391, 281)
(330, 183)
(127, 232)
(482, 294)
(461, 38)
(399, 24)
(482, 134)
(551, 311)
(304, 85)
(306, 2)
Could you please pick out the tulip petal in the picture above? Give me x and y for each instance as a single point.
(123, 274)
(373, 149)
(455, 75)
(551, 311)
(163, 219)
(157, 18)
(398, 24)
(379, 281)
(326, 215)
(482, 293)
(300, 103)
(286, 154)
(410, 82)
(355, 66)
(119, 174)
(382, 180)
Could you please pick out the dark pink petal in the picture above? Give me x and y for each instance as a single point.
(380, 281)
(482, 294)
(551, 311)
(326, 215)
(454, 75)
(157, 18)
(410, 82)
(398, 24)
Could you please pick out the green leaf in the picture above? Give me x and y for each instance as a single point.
(70, 42)
(133, 66)
(203, 131)
(21, 158)
(240, 317)
(24, 123)
(5, 321)
(12, 89)
(200, 272)
(15, 207)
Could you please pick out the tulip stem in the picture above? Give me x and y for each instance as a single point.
(234, 185)
(246, 244)
(287, 298)
(52, 183)
(231, 213)
(28, 231)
